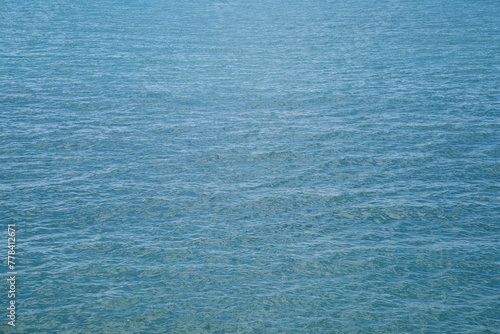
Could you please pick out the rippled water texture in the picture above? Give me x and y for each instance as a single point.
(253, 166)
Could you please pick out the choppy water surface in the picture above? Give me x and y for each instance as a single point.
(252, 166)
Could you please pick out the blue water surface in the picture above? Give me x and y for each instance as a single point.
(263, 166)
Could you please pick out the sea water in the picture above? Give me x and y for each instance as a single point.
(263, 166)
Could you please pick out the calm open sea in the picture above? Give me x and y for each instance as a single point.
(251, 166)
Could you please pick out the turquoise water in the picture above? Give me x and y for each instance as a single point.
(251, 166)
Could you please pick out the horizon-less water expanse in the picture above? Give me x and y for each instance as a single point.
(264, 166)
